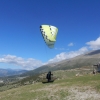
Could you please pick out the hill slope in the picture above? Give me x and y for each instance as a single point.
(86, 60)
(86, 87)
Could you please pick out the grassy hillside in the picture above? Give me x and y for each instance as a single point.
(68, 86)
(88, 59)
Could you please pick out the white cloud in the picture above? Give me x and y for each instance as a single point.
(67, 55)
(70, 44)
(95, 44)
(31, 63)
(24, 63)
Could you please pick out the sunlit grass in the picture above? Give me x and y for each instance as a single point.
(58, 90)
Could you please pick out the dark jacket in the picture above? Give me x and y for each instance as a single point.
(49, 75)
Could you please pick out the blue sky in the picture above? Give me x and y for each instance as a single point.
(21, 43)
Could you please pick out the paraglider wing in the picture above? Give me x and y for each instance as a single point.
(49, 34)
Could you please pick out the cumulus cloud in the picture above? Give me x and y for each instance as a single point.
(95, 44)
(28, 64)
(67, 55)
(31, 63)
(70, 44)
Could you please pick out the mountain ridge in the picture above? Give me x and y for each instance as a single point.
(85, 60)
(11, 72)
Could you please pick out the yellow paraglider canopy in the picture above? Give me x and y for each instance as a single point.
(49, 34)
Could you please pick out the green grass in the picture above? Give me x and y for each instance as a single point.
(58, 90)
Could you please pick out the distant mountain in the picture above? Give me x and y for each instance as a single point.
(85, 60)
(10, 72)
(93, 52)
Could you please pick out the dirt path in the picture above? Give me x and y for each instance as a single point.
(83, 93)
(56, 92)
